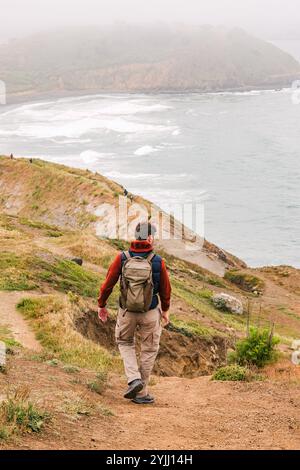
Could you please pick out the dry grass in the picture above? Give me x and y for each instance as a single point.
(53, 321)
(90, 248)
(18, 414)
(283, 371)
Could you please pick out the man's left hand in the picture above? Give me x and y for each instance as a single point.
(165, 317)
(103, 314)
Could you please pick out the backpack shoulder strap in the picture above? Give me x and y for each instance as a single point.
(150, 257)
(127, 254)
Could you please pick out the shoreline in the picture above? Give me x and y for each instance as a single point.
(23, 97)
(279, 95)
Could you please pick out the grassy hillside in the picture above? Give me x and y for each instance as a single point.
(65, 197)
(47, 218)
(122, 58)
(73, 372)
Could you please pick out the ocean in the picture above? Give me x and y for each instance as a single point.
(237, 153)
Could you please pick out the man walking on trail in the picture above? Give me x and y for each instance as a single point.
(143, 278)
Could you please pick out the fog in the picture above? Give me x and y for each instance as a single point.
(271, 19)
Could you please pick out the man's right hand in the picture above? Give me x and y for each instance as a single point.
(103, 314)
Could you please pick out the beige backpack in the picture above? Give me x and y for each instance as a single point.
(136, 283)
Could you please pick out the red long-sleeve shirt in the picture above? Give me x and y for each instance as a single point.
(114, 273)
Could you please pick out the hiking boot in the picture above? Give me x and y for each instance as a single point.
(146, 400)
(134, 388)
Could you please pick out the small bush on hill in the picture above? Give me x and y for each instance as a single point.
(258, 349)
(233, 373)
(245, 281)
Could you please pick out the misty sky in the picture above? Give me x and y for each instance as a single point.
(268, 18)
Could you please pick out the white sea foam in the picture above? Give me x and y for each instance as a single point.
(91, 156)
(72, 118)
(128, 108)
(79, 128)
(71, 141)
(117, 175)
(145, 150)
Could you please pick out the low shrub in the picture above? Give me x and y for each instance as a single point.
(258, 349)
(245, 281)
(234, 373)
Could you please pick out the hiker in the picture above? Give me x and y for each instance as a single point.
(143, 278)
(11, 156)
(125, 192)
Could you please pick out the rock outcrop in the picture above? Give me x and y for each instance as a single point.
(228, 303)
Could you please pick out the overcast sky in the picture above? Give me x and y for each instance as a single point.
(268, 18)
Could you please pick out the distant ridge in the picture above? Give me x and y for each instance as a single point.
(142, 59)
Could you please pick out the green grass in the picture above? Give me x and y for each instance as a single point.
(7, 222)
(258, 349)
(77, 406)
(191, 270)
(99, 385)
(121, 245)
(54, 234)
(7, 338)
(245, 281)
(35, 224)
(203, 305)
(65, 275)
(30, 272)
(232, 373)
(215, 282)
(104, 411)
(52, 319)
(18, 415)
(52, 362)
(71, 369)
(204, 293)
(191, 327)
(14, 275)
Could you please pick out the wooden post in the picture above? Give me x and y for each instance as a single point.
(2, 354)
(271, 333)
(259, 314)
(248, 317)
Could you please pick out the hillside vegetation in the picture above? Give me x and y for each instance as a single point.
(73, 372)
(146, 59)
(48, 217)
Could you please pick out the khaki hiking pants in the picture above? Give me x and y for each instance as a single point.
(149, 329)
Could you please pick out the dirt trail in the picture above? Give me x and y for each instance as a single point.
(11, 318)
(188, 413)
(201, 414)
